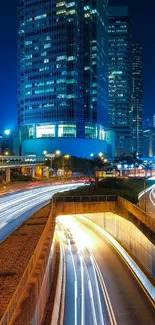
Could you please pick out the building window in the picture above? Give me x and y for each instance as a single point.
(67, 130)
(45, 131)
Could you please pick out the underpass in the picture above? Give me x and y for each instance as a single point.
(98, 284)
(99, 269)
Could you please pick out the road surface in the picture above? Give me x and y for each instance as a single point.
(16, 208)
(87, 251)
(147, 201)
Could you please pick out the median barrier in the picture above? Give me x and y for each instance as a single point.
(21, 308)
(58, 309)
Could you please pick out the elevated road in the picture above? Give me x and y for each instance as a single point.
(16, 208)
(100, 288)
(147, 201)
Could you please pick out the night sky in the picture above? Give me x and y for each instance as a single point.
(143, 25)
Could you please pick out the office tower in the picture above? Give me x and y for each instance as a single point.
(120, 78)
(137, 98)
(149, 142)
(147, 122)
(63, 76)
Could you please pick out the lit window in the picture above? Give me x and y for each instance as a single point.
(45, 131)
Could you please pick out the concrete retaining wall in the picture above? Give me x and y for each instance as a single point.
(125, 207)
(129, 236)
(126, 222)
(83, 207)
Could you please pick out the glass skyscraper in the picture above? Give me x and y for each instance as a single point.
(137, 98)
(63, 87)
(120, 78)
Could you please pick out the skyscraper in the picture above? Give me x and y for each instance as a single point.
(63, 88)
(120, 78)
(137, 98)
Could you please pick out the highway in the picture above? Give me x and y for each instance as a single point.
(147, 201)
(100, 288)
(16, 208)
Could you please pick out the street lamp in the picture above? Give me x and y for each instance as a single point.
(49, 155)
(65, 157)
(58, 152)
(7, 132)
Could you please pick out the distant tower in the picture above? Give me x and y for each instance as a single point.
(137, 99)
(120, 78)
(63, 76)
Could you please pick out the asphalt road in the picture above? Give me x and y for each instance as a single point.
(130, 304)
(147, 202)
(16, 208)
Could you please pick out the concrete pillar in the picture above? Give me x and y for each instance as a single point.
(33, 171)
(39, 172)
(121, 172)
(47, 172)
(7, 175)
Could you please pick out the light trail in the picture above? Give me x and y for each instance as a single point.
(144, 282)
(82, 294)
(151, 194)
(109, 293)
(87, 268)
(75, 283)
(98, 293)
(18, 207)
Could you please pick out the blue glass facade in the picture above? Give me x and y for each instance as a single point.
(137, 95)
(63, 54)
(120, 78)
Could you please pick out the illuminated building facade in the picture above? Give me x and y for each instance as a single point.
(63, 77)
(120, 78)
(149, 142)
(137, 98)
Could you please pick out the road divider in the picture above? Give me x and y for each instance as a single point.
(58, 309)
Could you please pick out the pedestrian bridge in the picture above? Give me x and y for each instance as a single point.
(20, 161)
(25, 162)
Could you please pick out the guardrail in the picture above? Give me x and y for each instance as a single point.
(92, 198)
(46, 235)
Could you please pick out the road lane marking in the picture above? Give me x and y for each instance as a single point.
(142, 279)
(75, 282)
(98, 293)
(83, 293)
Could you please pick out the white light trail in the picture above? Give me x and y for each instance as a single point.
(75, 283)
(13, 206)
(82, 293)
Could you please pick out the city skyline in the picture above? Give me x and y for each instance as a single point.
(8, 94)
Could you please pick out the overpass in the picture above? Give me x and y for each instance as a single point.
(134, 234)
(24, 162)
